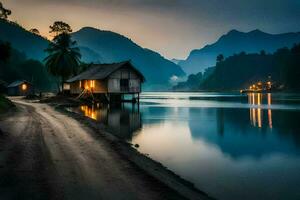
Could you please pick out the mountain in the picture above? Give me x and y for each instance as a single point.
(99, 47)
(31, 44)
(235, 42)
(113, 47)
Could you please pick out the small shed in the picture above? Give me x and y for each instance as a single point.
(110, 79)
(20, 88)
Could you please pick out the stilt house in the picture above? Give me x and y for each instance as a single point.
(114, 79)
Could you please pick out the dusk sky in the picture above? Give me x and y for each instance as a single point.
(171, 27)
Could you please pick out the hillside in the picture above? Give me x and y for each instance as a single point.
(113, 47)
(242, 70)
(99, 47)
(31, 44)
(235, 42)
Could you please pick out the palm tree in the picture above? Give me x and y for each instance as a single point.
(64, 57)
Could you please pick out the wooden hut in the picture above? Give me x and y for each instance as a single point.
(111, 80)
(20, 88)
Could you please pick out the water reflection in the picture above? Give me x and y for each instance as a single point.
(122, 121)
(256, 112)
(232, 149)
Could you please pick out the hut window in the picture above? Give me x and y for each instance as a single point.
(92, 83)
(24, 86)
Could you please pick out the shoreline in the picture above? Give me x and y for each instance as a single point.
(149, 166)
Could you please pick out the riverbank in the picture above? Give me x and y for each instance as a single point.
(63, 155)
(141, 161)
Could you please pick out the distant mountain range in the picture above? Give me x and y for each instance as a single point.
(99, 47)
(235, 42)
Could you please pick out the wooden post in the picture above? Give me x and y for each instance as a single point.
(138, 101)
(133, 99)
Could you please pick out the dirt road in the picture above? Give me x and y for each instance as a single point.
(47, 155)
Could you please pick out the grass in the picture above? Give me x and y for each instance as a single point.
(5, 104)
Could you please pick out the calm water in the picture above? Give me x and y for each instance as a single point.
(228, 145)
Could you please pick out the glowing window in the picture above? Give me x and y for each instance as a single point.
(24, 86)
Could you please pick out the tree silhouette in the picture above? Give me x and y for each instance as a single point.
(5, 51)
(4, 13)
(60, 27)
(64, 57)
(35, 31)
(220, 58)
(263, 53)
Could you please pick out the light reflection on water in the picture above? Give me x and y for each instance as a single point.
(230, 146)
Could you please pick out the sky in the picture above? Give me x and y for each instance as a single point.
(170, 27)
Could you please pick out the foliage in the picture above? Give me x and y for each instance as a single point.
(63, 57)
(238, 71)
(220, 58)
(60, 27)
(18, 67)
(4, 13)
(194, 80)
(192, 83)
(84, 66)
(5, 51)
(35, 31)
(5, 104)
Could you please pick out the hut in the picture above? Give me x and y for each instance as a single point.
(109, 80)
(20, 88)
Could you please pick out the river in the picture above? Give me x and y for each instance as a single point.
(229, 145)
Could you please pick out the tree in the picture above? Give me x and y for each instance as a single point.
(220, 58)
(60, 27)
(4, 13)
(5, 51)
(64, 57)
(296, 49)
(35, 31)
(263, 53)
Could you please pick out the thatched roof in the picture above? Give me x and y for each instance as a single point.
(102, 71)
(18, 83)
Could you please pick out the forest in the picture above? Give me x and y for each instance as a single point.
(239, 70)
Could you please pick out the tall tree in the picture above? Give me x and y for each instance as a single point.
(60, 27)
(35, 31)
(220, 58)
(64, 57)
(5, 51)
(4, 13)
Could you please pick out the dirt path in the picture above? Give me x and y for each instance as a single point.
(47, 155)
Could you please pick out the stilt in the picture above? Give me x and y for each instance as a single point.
(138, 102)
(133, 99)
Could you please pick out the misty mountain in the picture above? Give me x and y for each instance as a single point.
(235, 42)
(99, 47)
(113, 47)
